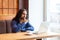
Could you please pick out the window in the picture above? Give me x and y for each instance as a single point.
(53, 10)
(36, 13)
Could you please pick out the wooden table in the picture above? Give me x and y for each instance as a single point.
(24, 35)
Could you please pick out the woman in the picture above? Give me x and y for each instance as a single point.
(20, 22)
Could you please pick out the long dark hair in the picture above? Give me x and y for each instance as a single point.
(18, 15)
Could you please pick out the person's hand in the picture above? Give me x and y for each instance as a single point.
(25, 20)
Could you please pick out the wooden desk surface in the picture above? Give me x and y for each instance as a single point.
(22, 35)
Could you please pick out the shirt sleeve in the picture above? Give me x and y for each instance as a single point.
(29, 27)
(15, 27)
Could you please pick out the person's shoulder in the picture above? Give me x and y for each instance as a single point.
(13, 21)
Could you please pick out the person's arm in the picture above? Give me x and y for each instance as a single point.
(15, 27)
(29, 27)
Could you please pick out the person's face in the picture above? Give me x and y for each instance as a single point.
(24, 15)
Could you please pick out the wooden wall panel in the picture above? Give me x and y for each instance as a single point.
(15, 5)
(0, 3)
(11, 4)
(6, 17)
(15, 11)
(5, 11)
(11, 11)
(8, 9)
(0, 11)
(5, 3)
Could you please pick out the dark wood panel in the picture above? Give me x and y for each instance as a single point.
(38, 39)
(25, 4)
(20, 4)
